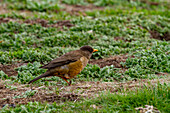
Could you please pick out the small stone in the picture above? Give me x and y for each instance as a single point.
(93, 106)
(91, 31)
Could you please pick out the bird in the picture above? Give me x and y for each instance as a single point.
(68, 65)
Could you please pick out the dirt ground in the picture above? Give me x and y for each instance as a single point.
(156, 35)
(10, 69)
(115, 60)
(44, 23)
(76, 92)
(80, 9)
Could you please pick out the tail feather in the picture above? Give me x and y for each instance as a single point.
(41, 76)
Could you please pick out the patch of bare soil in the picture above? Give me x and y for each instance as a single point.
(16, 94)
(6, 20)
(80, 9)
(156, 35)
(3, 8)
(67, 93)
(10, 69)
(115, 60)
(45, 23)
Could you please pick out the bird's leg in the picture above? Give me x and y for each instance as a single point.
(65, 80)
(70, 83)
(67, 77)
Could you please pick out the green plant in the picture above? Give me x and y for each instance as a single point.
(43, 5)
(3, 75)
(75, 2)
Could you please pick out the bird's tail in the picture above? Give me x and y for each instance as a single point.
(41, 76)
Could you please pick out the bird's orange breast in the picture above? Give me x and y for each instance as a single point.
(75, 68)
(71, 70)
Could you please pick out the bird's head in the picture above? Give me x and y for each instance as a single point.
(88, 51)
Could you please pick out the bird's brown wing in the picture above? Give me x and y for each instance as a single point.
(67, 58)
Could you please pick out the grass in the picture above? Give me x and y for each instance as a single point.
(119, 27)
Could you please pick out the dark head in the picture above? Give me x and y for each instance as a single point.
(88, 51)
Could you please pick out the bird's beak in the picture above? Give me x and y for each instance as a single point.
(94, 50)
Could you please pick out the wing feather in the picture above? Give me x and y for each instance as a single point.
(67, 58)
